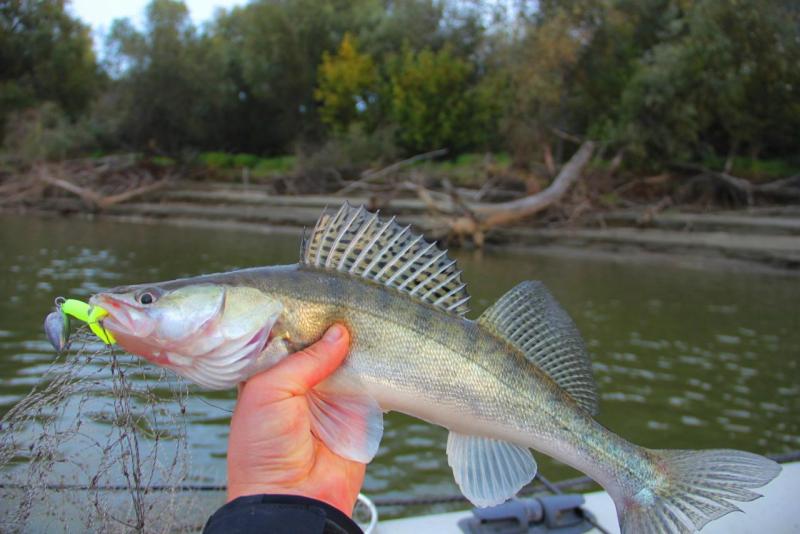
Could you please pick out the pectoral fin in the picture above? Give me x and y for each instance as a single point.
(488, 471)
(346, 419)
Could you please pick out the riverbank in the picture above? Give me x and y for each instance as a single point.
(762, 239)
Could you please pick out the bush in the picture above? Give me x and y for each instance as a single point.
(347, 85)
(351, 152)
(216, 160)
(433, 101)
(245, 160)
(278, 165)
(162, 161)
(44, 133)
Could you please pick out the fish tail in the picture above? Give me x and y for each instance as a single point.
(690, 488)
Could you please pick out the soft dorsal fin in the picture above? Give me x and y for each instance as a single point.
(529, 317)
(361, 244)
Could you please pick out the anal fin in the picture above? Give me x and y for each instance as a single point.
(347, 420)
(488, 471)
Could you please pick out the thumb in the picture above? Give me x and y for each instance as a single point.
(303, 370)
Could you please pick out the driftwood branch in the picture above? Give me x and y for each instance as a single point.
(508, 212)
(371, 176)
(125, 196)
(93, 200)
(566, 136)
(475, 220)
(785, 188)
(89, 198)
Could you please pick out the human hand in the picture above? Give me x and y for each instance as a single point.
(271, 448)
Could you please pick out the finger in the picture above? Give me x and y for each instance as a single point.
(303, 370)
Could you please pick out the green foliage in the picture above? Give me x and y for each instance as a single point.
(351, 152)
(245, 160)
(727, 81)
(367, 81)
(44, 133)
(347, 85)
(538, 71)
(271, 51)
(46, 55)
(162, 161)
(216, 160)
(433, 102)
(261, 167)
(167, 82)
(274, 166)
(667, 79)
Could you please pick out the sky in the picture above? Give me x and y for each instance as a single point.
(100, 13)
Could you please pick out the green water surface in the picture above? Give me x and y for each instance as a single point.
(683, 358)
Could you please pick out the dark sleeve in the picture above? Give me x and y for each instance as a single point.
(279, 514)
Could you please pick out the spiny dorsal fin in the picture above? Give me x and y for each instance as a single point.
(361, 244)
(529, 317)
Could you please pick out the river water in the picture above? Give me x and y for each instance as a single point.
(683, 358)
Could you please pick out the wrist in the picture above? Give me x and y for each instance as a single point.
(257, 512)
(243, 490)
(341, 500)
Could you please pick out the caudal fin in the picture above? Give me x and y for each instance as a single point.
(696, 487)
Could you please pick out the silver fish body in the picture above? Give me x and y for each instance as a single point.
(516, 378)
(447, 370)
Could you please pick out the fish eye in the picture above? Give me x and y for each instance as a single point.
(147, 298)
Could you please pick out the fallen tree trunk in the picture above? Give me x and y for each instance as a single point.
(744, 191)
(95, 201)
(106, 202)
(480, 219)
(89, 198)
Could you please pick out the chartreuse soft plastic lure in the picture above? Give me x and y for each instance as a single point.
(57, 323)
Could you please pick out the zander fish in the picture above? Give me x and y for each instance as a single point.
(516, 378)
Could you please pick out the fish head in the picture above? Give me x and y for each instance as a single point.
(210, 333)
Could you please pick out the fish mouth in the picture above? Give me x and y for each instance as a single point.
(122, 318)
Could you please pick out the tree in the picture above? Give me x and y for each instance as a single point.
(45, 55)
(272, 50)
(539, 70)
(167, 81)
(725, 82)
(347, 85)
(433, 100)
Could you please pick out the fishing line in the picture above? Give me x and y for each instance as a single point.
(201, 399)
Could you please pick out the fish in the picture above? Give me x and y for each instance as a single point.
(516, 378)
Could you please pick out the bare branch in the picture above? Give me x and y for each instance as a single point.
(93, 200)
(125, 196)
(370, 176)
(561, 134)
(508, 212)
(89, 197)
(483, 217)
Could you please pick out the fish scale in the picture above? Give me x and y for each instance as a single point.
(517, 378)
